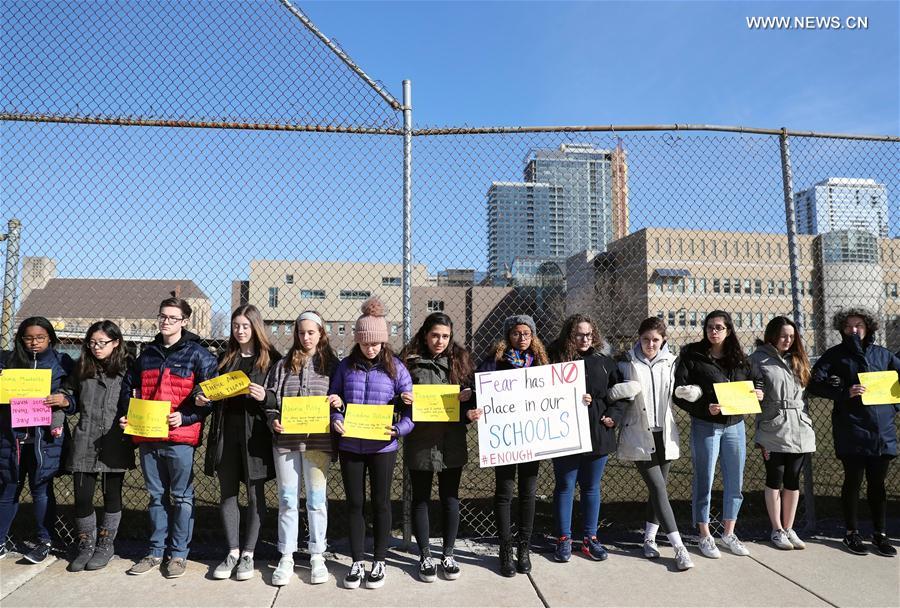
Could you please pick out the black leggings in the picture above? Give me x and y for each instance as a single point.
(875, 470)
(86, 483)
(504, 487)
(381, 471)
(230, 476)
(782, 467)
(448, 490)
(655, 473)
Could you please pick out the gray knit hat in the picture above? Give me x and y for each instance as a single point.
(514, 320)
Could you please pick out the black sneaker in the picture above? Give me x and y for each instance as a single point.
(883, 545)
(355, 575)
(427, 570)
(39, 553)
(375, 577)
(854, 543)
(450, 568)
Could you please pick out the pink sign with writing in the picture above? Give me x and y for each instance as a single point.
(29, 412)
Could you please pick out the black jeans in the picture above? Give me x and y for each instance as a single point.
(448, 491)
(505, 484)
(875, 470)
(381, 471)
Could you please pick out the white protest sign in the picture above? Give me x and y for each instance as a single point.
(532, 413)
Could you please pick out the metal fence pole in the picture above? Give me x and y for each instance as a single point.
(407, 274)
(790, 218)
(10, 278)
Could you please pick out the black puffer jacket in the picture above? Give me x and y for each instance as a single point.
(600, 374)
(696, 367)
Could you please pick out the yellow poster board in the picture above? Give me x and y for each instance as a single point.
(24, 384)
(881, 387)
(148, 418)
(363, 421)
(305, 415)
(226, 385)
(737, 398)
(435, 403)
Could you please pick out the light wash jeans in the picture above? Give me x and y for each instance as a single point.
(314, 465)
(709, 442)
(169, 475)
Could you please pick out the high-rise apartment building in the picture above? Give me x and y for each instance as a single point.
(838, 203)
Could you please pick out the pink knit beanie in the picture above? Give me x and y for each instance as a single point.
(371, 326)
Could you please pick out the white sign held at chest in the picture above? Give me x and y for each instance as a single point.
(532, 413)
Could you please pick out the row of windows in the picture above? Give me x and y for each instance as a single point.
(728, 286)
(694, 318)
(319, 294)
(890, 290)
(385, 281)
(341, 329)
(718, 248)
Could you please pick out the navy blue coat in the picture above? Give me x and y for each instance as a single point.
(48, 449)
(858, 430)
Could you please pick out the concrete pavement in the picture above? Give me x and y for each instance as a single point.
(821, 575)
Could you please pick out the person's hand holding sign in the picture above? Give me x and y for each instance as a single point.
(174, 420)
(475, 414)
(257, 392)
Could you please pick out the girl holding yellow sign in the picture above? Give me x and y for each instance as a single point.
(865, 436)
(433, 357)
(366, 381)
(239, 445)
(303, 374)
(33, 451)
(715, 437)
(784, 430)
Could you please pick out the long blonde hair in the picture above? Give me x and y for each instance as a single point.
(265, 352)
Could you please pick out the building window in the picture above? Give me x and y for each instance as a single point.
(781, 288)
(435, 306)
(671, 318)
(328, 328)
(701, 285)
(757, 286)
(759, 319)
(737, 319)
(340, 330)
(288, 279)
(660, 314)
(287, 328)
(693, 318)
(354, 294)
(273, 297)
(748, 286)
(273, 328)
(771, 288)
(890, 290)
(395, 328)
(726, 286)
(682, 318)
(312, 294)
(659, 284)
(391, 281)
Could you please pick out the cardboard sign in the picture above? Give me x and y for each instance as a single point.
(148, 418)
(305, 415)
(532, 413)
(29, 412)
(737, 398)
(435, 403)
(24, 383)
(363, 421)
(226, 385)
(881, 387)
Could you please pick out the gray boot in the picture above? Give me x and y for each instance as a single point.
(87, 533)
(105, 541)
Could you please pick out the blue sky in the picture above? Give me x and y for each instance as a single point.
(200, 204)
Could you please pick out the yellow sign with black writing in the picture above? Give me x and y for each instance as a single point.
(737, 398)
(363, 421)
(435, 403)
(226, 385)
(305, 415)
(881, 387)
(24, 384)
(148, 418)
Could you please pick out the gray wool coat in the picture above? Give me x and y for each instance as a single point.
(783, 426)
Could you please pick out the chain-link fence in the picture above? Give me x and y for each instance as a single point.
(239, 156)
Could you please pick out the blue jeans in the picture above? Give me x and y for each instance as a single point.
(587, 470)
(169, 476)
(43, 499)
(709, 442)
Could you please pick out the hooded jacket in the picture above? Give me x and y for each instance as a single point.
(858, 430)
(646, 384)
(695, 367)
(783, 425)
(172, 375)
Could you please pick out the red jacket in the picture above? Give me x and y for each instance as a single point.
(172, 375)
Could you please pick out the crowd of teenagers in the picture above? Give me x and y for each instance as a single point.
(630, 398)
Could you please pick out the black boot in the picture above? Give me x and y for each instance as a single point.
(507, 567)
(85, 551)
(523, 557)
(104, 551)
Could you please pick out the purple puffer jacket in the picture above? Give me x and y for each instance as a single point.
(360, 384)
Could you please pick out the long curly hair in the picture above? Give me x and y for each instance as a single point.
(461, 366)
(564, 347)
(799, 358)
(537, 349)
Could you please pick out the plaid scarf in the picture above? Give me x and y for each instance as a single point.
(517, 358)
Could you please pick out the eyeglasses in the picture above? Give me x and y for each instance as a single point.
(586, 336)
(168, 319)
(518, 334)
(35, 339)
(99, 343)
(715, 329)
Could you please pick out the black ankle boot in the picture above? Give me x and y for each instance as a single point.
(523, 557)
(85, 552)
(507, 567)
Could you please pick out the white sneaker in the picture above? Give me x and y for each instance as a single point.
(284, 571)
(708, 547)
(318, 572)
(735, 545)
(355, 575)
(683, 559)
(780, 539)
(650, 549)
(794, 539)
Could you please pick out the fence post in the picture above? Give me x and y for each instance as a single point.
(10, 278)
(407, 275)
(790, 217)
